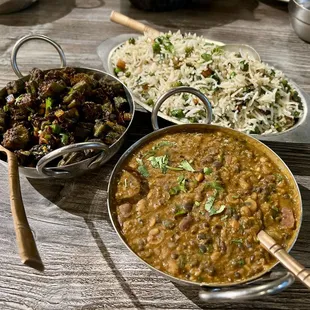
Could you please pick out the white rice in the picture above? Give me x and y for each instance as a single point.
(246, 94)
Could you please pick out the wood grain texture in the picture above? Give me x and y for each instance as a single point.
(86, 265)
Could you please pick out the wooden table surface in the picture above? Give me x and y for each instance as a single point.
(86, 265)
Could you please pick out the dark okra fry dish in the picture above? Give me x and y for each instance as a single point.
(57, 108)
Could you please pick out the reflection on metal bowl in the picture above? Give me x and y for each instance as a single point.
(300, 18)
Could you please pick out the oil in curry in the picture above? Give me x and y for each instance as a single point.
(191, 205)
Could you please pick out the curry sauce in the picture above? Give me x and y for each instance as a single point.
(191, 205)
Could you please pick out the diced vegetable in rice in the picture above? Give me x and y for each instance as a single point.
(246, 94)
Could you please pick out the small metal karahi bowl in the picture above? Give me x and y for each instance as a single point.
(266, 282)
(300, 18)
(104, 153)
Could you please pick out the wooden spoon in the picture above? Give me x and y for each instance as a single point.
(285, 259)
(26, 244)
(126, 21)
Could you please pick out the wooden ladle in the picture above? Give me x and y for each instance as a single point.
(284, 258)
(25, 241)
(126, 21)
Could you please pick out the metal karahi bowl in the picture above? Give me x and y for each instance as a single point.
(266, 282)
(105, 152)
(300, 18)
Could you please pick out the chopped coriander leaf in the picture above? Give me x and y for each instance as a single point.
(182, 183)
(188, 50)
(216, 185)
(176, 84)
(206, 57)
(139, 161)
(209, 203)
(181, 179)
(207, 171)
(143, 171)
(164, 143)
(237, 241)
(275, 208)
(165, 42)
(220, 209)
(224, 217)
(174, 168)
(64, 138)
(233, 74)
(279, 177)
(156, 48)
(284, 82)
(275, 212)
(209, 206)
(217, 50)
(160, 162)
(186, 166)
(158, 146)
(241, 262)
(179, 210)
(55, 128)
(48, 105)
(244, 66)
(180, 188)
(174, 190)
(193, 119)
(215, 77)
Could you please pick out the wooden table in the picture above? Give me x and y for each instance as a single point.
(86, 265)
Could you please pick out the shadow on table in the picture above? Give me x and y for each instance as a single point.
(82, 196)
(199, 14)
(280, 5)
(45, 11)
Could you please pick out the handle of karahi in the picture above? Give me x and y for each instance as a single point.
(285, 259)
(25, 241)
(133, 24)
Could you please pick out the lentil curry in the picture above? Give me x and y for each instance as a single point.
(191, 204)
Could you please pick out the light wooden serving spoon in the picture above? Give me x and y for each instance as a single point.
(284, 258)
(25, 241)
(126, 21)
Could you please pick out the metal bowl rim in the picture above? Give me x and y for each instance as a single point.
(301, 7)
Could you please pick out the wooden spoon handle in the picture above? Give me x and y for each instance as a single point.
(26, 244)
(133, 24)
(285, 259)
